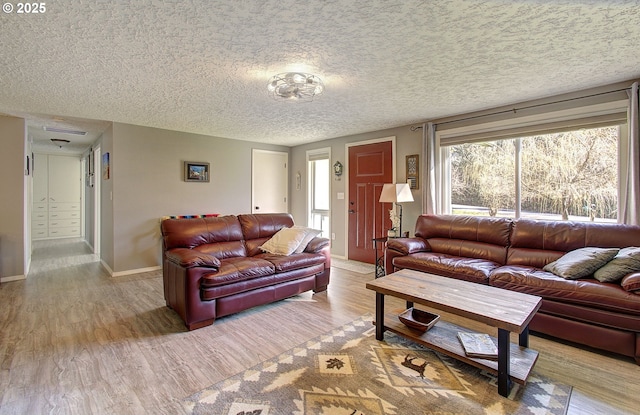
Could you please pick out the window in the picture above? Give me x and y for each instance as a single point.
(570, 175)
(319, 170)
(483, 178)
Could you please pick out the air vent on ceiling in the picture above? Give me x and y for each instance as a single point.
(64, 131)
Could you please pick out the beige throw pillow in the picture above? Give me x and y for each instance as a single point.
(581, 262)
(285, 241)
(311, 233)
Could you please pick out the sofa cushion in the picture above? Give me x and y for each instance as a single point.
(222, 250)
(462, 268)
(587, 292)
(238, 269)
(293, 261)
(264, 225)
(536, 242)
(493, 231)
(625, 262)
(190, 233)
(581, 262)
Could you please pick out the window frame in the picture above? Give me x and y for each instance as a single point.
(515, 126)
(311, 157)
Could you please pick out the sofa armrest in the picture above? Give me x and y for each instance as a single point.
(396, 247)
(316, 245)
(408, 246)
(189, 258)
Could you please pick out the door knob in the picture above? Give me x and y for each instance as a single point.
(352, 211)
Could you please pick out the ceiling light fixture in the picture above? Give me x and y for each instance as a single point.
(59, 141)
(295, 86)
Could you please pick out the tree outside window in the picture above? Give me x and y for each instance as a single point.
(567, 175)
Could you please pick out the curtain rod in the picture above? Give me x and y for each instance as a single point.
(514, 110)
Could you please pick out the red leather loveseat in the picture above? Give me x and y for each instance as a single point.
(511, 254)
(214, 266)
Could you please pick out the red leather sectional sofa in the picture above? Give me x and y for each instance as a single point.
(510, 254)
(213, 266)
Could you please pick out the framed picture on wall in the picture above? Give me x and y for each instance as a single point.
(195, 171)
(105, 166)
(413, 171)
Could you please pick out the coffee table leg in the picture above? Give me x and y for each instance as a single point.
(504, 362)
(379, 316)
(524, 337)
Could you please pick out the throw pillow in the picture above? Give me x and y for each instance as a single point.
(285, 241)
(631, 283)
(311, 233)
(581, 262)
(625, 262)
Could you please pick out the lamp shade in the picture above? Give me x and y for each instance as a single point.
(396, 193)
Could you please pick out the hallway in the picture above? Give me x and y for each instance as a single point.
(52, 254)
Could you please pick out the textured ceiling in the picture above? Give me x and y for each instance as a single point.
(202, 66)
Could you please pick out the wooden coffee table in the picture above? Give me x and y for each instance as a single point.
(508, 311)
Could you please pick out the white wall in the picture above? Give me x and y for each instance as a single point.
(147, 183)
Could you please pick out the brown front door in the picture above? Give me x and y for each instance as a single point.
(370, 166)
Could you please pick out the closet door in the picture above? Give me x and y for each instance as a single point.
(64, 196)
(56, 197)
(64, 179)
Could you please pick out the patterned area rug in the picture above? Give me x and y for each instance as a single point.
(347, 371)
(355, 266)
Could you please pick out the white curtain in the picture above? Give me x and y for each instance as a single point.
(630, 197)
(429, 146)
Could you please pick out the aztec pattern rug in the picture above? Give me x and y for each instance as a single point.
(347, 371)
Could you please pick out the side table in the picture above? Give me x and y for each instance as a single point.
(379, 256)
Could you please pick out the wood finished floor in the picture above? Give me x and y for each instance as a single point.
(75, 341)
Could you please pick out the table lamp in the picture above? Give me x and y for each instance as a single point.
(396, 193)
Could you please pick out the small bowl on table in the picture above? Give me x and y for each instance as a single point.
(418, 319)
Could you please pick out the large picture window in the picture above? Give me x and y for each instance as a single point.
(570, 175)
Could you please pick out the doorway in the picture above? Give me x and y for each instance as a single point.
(370, 165)
(97, 201)
(319, 190)
(269, 182)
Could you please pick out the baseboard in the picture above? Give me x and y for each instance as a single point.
(106, 267)
(12, 278)
(89, 245)
(135, 271)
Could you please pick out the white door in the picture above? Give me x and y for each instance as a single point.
(269, 182)
(64, 179)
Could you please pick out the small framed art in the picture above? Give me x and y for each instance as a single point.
(106, 167)
(195, 171)
(413, 171)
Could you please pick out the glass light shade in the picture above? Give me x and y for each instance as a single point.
(295, 86)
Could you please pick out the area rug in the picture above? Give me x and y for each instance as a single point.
(355, 266)
(347, 371)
